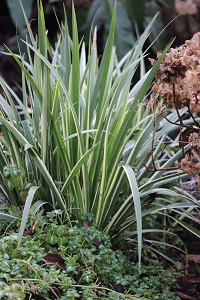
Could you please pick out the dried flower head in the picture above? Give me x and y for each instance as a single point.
(191, 162)
(189, 165)
(186, 7)
(194, 140)
(178, 76)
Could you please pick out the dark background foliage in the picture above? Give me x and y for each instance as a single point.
(132, 17)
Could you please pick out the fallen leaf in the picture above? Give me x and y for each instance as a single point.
(184, 296)
(193, 279)
(30, 231)
(194, 257)
(118, 288)
(54, 259)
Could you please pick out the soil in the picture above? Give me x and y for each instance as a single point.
(189, 264)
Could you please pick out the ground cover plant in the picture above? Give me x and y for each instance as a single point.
(57, 261)
(81, 139)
